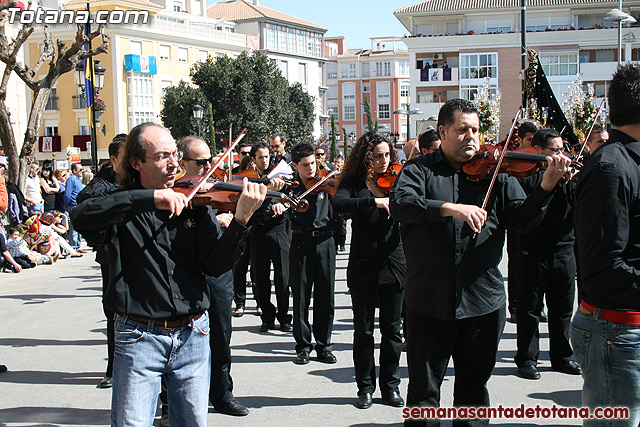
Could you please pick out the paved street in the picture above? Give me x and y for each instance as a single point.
(52, 339)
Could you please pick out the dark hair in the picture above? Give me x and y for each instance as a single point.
(258, 145)
(542, 137)
(275, 135)
(11, 230)
(427, 139)
(243, 144)
(360, 160)
(186, 142)
(447, 115)
(302, 150)
(75, 166)
(624, 96)
(117, 142)
(244, 163)
(526, 127)
(129, 177)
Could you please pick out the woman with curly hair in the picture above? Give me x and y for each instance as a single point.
(376, 270)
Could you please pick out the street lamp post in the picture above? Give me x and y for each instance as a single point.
(408, 112)
(198, 111)
(617, 15)
(96, 81)
(352, 139)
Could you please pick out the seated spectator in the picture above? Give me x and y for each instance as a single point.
(19, 250)
(60, 224)
(43, 239)
(8, 263)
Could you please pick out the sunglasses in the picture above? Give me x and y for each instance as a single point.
(245, 153)
(201, 162)
(320, 154)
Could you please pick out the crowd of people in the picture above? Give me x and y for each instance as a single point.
(425, 253)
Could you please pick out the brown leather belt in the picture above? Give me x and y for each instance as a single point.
(625, 317)
(167, 323)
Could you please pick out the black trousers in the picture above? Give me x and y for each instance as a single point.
(512, 271)
(313, 267)
(266, 249)
(240, 277)
(111, 331)
(473, 344)
(221, 386)
(552, 275)
(389, 297)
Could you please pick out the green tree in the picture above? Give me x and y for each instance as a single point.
(250, 91)
(367, 110)
(345, 139)
(177, 113)
(334, 149)
(212, 130)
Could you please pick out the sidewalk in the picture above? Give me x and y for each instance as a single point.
(52, 339)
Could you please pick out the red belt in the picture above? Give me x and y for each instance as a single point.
(166, 323)
(626, 317)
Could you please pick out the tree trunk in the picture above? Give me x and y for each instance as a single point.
(8, 142)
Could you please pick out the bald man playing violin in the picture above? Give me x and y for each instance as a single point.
(160, 255)
(454, 290)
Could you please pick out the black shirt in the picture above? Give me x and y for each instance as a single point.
(318, 217)
(376, 254)
(263, 219)
(608, 225)
(451, 274)
(157, 264)
(555, 231)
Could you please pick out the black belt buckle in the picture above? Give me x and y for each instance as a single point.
(315, 233)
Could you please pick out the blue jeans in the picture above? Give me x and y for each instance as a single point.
(145, 352)
(75, 240)
(609, 354)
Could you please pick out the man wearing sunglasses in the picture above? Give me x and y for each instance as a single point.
(321, 155)
(196, 160)
(279, 149)
(244, 150)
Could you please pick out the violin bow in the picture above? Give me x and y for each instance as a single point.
(217, 164)
(504, 151)
(319, 183)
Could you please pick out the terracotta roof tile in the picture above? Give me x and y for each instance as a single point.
(240, 10)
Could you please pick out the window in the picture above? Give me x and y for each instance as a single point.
(383, 69)
(382, 89)
(183, 54)
(302, 41)
(302, 74)
(404, 89)
(282, 38)
(84, 127)
(291, 40)
(352, 70)
(165, 52)
(140, 95)
(478, 65)
(271, 37)
(332, 93)
(348, 91)
(561, 64)
(203, 55)
(178, 6)
(349, 112)
(50, 128)
(52, 102)
(136, 47)
(404, 68)
(164, 85)
(383, 111)
(284, 69)
(468, 92)
(344, 71)
(333, 112)
(332, 75)
(366, 87)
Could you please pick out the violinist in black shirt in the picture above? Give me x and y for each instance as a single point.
(377, 267)
(159, 253)
(454, 290)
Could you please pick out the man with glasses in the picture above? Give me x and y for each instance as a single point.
(278, 149)
(160, 256)
(244, 150)
(321, 155)
(546, 267)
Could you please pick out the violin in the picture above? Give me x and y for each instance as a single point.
(253, 176)
(224, 195)
(329, 186)
(386, 180)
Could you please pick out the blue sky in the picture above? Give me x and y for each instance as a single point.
(357, 20)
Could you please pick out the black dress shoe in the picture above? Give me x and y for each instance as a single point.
(568, 367)
(302, 358)
(364, 401)
(232, 407)
(265, 327)
(3, 369)
(529, 372)
(106, 382)
(286, 327)
(393, 398)
(326, 357)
